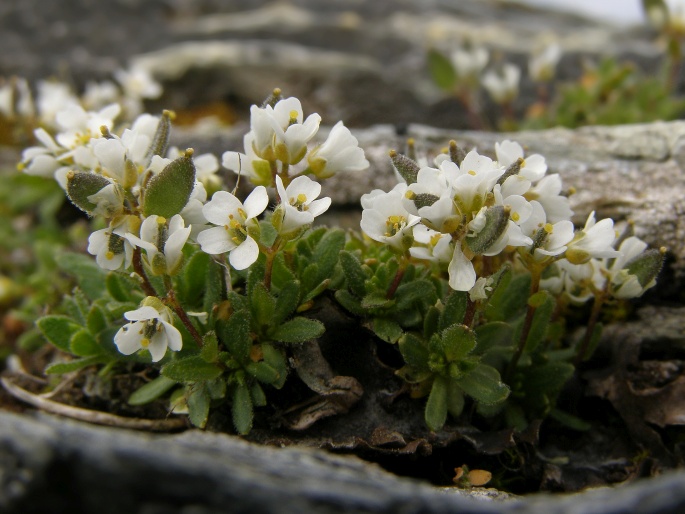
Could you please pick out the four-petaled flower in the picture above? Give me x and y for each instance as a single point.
(299, 205)
(233, 219)
(150, 329)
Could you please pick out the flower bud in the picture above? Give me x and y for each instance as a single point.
(407, 168)
(647, 266)
(496, 222)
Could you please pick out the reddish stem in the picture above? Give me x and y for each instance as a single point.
(147, 286)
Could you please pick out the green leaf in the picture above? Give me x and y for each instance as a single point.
(414, 352)
(191, 369)
(490, 335)
(58, 330)
(455, 309)
(84, 344)
(267, 233)
(457, 342)
(286, 302)
(281, 275)
(431, 322)
(198, 406)
(276, 359)
(194, 281)
(569, 420)
(61, 368)
(90, 277)
(160, 141)
(327, 252)
(216, 388)
(242, 409)
(81, 185)
(210, 347)
(310, 277)
(455, 399)
(262, 307)
(350, 302)
(417, 290)
(97, 319)
(543, 314)
(298, 330)
(234, 333)
(436, 406)
(441, 70)
(167, 193)
(214, 286)
(548, 378)
(151, 391)
(496, 222)
(595, 338)
(510, 298)
(376, 300)
(257, 394)
(386, 329)
(484, 385)
(354, 274)
(263, 372)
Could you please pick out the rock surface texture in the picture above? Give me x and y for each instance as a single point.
(51, 465)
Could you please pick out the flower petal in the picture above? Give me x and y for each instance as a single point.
(215, 240)
(244, 255)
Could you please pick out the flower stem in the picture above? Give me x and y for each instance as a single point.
(173, 302)
(397, 280)
(470, 313)
(147, 286)
(597, 305)
(527, 324)
(269, 265)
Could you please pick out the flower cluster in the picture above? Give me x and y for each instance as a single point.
(469, 211)
(154, 201)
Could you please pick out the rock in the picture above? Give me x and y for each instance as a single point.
(361, 61)
(624, 172)
(48, 464)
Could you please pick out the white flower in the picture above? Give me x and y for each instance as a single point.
(163, 242)
(582, 281)
(298, 203)
(533, 167)
(469, 61)
(472, 181)
(151, 329)
(462, 275)
(280, 132)
(234, 218)
(480, 290)
(138, 83)
(99, 94)
(542, 64)
(595, 240)
(551, 239)
(432, 193)
(111, 248)
(503, 83)
(78, 126)
(6, 99)
(192, 212)
(258, 170)
(624, 284)
(338, 154)
(548, 192)
(436, 247)
(387, 221)
(51, 98)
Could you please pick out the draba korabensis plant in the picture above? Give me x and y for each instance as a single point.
(466, 267)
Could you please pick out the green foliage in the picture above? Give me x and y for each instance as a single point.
(441, 70)
(167, 192)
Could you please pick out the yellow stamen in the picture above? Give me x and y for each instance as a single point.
(549, 228)
(301, 198)
(109, 255)
(515, 216)
(144, 342)
(473, 173)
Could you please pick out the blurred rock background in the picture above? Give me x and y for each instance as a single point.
(364, 62)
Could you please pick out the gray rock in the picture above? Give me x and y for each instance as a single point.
(48, 464)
